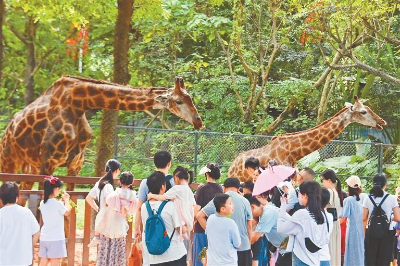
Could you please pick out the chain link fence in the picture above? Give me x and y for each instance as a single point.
(135, 147)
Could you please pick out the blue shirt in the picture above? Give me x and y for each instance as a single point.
(268, 225)
(292, 199)
(241, 214)
(144, 190)
(223, 239)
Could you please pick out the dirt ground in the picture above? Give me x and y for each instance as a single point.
(78, 252)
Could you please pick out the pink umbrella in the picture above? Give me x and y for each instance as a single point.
(271, 177)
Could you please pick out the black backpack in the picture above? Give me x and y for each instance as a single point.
(378, 223)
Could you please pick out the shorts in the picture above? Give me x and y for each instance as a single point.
(244, 258)
(52, 249)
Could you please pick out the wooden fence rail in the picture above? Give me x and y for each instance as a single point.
(34, 196)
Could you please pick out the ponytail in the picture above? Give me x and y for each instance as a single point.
(50, 183)
(379, 182)
(111, 166)
(339, 190)
(215, 172)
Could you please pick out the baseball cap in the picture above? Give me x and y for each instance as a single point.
(353, 181)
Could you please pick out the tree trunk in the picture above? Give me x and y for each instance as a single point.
(1, 38)
(30, 32)
(121, 75)
(324, 96)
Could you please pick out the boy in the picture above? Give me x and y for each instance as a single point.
(175, 255)
(222, 233)
(162, 162)
(251, 166)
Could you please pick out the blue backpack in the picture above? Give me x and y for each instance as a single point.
(156, 236)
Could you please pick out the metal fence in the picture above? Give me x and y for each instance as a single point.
(136, 146)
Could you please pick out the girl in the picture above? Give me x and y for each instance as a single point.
(184, 199)
(52, 238)
(204, 194)
(332, 183)
(352, 209)
(100, 191)
(378, 251)
(114, 227)
(307, 228)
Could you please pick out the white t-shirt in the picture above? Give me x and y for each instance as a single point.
(171, 219)
(95, 193)
(17, 226)
(387, 206)
(184, 201)
(53, 220)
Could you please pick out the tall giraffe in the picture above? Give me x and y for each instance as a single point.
(290, 148)
(53, 130)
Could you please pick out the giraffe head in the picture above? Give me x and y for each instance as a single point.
(362, 114)
(180, 103)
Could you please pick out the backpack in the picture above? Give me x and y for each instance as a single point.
(156, 236)
(378, 223)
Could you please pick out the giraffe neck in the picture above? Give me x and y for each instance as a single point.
(87, 94)
(305, 142)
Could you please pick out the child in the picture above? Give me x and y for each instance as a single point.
(100, 191)
(183, 198)
(52, 237)
(120, 204)
(222, 234)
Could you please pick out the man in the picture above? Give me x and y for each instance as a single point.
(163, 162)
(175, 255)
(19, 230)
(242, 216)
(251, 166)
(267, 215)
(307, 174)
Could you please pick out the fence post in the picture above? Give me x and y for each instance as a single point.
(380, 158)
(116, 144)
(196, 145)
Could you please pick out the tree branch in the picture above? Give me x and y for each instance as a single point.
(228, 57)
(49, 52)
(280, 118)
(21, 37)
(374, 71)
(377, 32)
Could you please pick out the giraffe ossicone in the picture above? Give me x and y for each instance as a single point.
(291, 147)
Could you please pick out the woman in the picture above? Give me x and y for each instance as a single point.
(332, 183)
(352, 209)
(100, 191)
(204, 194)
(307, 228)
(378, 250)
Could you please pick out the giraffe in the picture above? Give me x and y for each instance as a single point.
(53, 130)
(290, 148)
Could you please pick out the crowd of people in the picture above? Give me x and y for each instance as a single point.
(298, 222)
